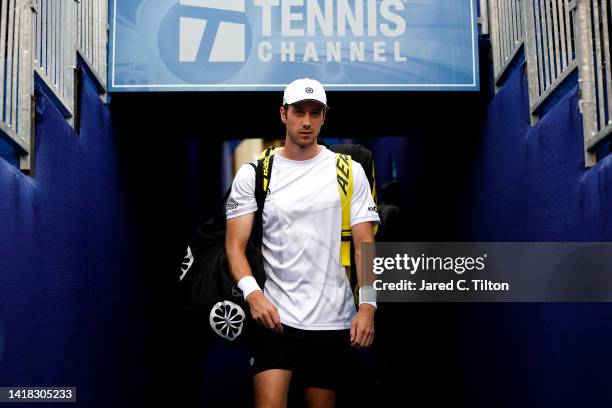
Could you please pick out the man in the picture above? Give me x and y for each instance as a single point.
(306, 312)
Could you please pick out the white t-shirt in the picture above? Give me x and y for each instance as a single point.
(302, 222)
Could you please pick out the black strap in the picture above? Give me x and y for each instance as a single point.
(263, 171)
(229, 191)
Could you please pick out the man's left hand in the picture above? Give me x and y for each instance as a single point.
(362, 328)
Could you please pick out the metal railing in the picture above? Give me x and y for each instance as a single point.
(595, 72)
(560, 37)
(40, 39)
(483, 16)
(15, 69)
(545, 29)
(550, 49)
(91, 18)
(507, 28)
(54, 48)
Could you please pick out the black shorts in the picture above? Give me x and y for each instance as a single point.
(317, 358)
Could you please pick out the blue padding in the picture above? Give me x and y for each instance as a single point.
(66, 260)
(514, 182)
(8, 152)
(530, 184)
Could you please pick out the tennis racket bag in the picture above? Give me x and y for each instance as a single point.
(207, 289)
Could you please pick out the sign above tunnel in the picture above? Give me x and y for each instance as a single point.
(262, 45)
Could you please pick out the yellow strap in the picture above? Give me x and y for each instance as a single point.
(344, 175)
(265, 155)
(269, 152)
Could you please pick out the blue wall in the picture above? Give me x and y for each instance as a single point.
(67, 303)
(507, 182)
(8, 151)
(530, 184)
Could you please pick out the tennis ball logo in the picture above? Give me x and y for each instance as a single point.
(227, 319)
(205, 39)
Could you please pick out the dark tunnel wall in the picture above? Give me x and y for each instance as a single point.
(171, 150)
(431, 136)
(469, 170)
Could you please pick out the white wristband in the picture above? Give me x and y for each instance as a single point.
(369, 303)
(248, 285)
(367, 295)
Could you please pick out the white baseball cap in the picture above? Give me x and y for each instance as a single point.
(304, 90)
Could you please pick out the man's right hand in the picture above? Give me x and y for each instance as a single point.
(264, 312)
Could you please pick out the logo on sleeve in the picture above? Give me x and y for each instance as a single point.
(373, 209)
(231, 206)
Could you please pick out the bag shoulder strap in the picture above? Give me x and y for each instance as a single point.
(344, 175)
(363, 156)
(263, 173)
